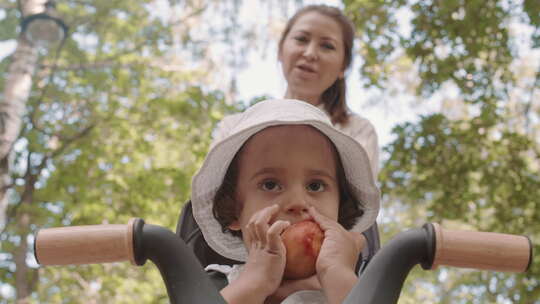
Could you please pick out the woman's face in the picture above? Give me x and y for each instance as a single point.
(291, 166)
(312, 56)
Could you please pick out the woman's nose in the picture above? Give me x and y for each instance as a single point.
(310, 52)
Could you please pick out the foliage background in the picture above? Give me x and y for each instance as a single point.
(120, 118)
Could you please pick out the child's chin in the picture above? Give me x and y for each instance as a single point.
(303, 242)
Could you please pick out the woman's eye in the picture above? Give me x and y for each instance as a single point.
(328, 46)
(316, 186)
(300, 39)
(270, 186)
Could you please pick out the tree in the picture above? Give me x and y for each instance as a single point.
(116, 126)
(113, 129)
(12, 105)
(475, 164)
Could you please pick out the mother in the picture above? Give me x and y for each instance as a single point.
(315, 51)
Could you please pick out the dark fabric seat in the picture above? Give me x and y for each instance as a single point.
(189, 231)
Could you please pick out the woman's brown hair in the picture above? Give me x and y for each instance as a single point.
(333, 98)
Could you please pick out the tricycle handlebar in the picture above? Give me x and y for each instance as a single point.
(481, 250)
(187, 282)
(92, 244)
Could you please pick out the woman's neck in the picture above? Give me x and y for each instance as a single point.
(312, 99)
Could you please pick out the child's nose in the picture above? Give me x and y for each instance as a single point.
(298, 208)
(296, 204)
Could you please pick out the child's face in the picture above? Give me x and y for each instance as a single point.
(292, 166)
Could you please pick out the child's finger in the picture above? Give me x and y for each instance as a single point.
(274, 236)
(255, 226)
(264, 221)
(259, 223)
(324, 222)
(250, 236)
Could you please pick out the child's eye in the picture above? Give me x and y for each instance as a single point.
(270, 185)
(316, 186)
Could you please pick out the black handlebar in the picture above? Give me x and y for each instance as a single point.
(181, 271)
(187, 282)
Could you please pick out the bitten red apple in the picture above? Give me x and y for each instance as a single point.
(303, 242)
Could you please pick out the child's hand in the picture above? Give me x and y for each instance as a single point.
(289, 287)
(338, 257)
(340, 248)
(266, 251)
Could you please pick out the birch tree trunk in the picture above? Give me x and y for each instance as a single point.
(12, 108)
(13, 104)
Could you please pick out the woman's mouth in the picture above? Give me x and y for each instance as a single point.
(305, 72)
(306, 68)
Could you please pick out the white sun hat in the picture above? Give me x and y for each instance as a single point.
(256, 118)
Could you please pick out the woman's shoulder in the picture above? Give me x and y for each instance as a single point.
(356, 123)
(356, 118)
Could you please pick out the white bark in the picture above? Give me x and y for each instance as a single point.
(12, 107)
(13, 102)
(16, 92)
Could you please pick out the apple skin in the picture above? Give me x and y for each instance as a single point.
(303, 242)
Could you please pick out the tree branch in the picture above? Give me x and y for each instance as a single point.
(111, 60)
(528, 105)
(7, 6)
(31, 177)
(84, 66)
(69, 141)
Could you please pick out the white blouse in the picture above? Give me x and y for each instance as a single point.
(299, 297)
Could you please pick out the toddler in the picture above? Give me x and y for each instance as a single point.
(281, 164)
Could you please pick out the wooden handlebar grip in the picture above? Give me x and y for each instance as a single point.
(91, 244)
(482, 250)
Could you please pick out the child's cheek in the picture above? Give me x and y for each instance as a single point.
(328, 208)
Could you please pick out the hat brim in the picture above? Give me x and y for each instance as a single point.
(209, 178)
